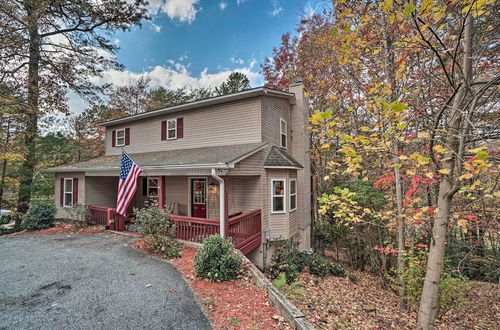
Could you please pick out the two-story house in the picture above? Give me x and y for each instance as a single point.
(236, 164)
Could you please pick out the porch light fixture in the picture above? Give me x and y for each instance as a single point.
(212, 188)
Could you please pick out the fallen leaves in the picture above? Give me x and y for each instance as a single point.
(64, 228)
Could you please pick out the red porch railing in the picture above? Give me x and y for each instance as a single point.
(244, 229)
(106, 216)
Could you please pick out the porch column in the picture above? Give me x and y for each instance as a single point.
(226, 205)
(161, 192)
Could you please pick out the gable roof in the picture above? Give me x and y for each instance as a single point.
(249, 93)
(279, 158)
(208, 157)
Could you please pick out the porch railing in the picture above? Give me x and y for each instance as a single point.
(106, 216)
(244, 229)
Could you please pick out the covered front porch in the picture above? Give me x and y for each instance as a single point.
(193, 203)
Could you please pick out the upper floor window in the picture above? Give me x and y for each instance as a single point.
(293, 194)
(283, 133)
(68, 192)
(171, 129)
(120, 137)
(277, 196)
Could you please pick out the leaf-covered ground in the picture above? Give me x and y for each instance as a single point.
(238, 304)
(335, 302)
(63, 228)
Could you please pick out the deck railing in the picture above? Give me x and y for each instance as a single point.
(244, 229)
(106, 216)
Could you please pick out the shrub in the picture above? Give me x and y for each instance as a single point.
(292, 290)
(216, 260)
(39, 216)
(80, 213)
(451, 289)
(159, 231)
(287, 259)
(320, 266)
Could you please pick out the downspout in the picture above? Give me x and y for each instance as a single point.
(221, 202)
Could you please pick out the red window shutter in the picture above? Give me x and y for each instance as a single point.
(75, 191)
(61, 193)
(180, 128)
(113, 139)
(144, 186)
(163, 130)
(127, 136)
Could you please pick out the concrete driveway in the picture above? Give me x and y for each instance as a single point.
(91, 282)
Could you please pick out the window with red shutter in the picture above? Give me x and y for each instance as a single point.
(75, 191)
(113, 139)
(61, 193)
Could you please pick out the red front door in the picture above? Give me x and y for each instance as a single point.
(198, 198)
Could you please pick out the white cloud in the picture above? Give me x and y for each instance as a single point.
(237, 60)
(309, 10)
(239, 2)
(155, 27)
(173, 75)
(277, 9)
(222, 5)
(180, 10)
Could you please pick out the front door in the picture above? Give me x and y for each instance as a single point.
(198, 198)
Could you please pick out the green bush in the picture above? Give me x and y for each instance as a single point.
(292, 290)
(320, 266)
(158, 230)
(451, 289)
(216, 260)
(287, 259)
(476, 265)
(39, 216)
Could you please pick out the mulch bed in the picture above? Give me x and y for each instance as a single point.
(335, 302)
(238, 304)
(63, 228)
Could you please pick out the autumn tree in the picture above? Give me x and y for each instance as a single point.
(236, 82)
(132, 98)
(52, 47)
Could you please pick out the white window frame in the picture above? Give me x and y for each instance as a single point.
(285, 133)
(273, 196)
(117, 138)
(68, 192)
(157, 186)
(294, 194)
(172, 129)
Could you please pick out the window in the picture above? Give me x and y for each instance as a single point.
(120, 137)
(172, 129)
(278, 196)
(283, 133)
(293, 194)
(68, 192)
(153, 187)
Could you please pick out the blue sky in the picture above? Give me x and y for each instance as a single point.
(198, 43)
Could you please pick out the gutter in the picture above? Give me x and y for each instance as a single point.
(222, 200)
(153, 167)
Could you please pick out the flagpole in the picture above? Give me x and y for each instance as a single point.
(143, 171)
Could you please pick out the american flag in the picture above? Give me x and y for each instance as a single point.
(129, 172)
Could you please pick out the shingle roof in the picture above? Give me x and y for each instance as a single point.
(279, 157)
(220, 155)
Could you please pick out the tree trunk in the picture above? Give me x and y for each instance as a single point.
(4, 164)
(31, 125)
(389, 72)
(429, 301)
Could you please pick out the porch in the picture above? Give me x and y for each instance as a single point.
(244, 229)
(192, 201)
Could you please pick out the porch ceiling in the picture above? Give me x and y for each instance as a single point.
(209, 157)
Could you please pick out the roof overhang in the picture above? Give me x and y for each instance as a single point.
(259, 91)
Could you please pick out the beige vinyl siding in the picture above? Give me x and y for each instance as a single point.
(61, 211)
(101, 191)
(227, 124)
(244, 194)
(273, 109)
(252, 165)
(300, 151)
(176, 190)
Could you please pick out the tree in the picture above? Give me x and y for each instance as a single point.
(52, 47)
(236, 82)
(132, 98)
